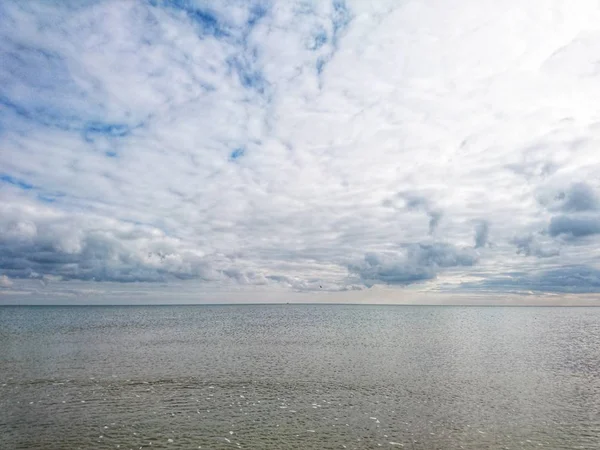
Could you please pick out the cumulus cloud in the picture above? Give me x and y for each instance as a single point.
(532, 245)
(410, 264)
(47, 243)
(5, 282)
(574, 198)
(579, 197)
(276, 144)
(574, 226)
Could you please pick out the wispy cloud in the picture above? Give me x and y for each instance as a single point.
(300, 145)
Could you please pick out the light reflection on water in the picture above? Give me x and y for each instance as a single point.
(299, 376)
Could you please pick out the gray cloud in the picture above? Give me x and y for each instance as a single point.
(47, 245)
(413, 201)
(575, 198)
(482, 230)
(574, 226)
(434, 220)
(579, 197)
(567, 279)
(530, 245)
(412, 263)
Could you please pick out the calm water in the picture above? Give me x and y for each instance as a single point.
(299, 377)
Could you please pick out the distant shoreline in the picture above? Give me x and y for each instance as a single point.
(437, 305)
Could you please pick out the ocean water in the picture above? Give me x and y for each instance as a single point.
(299, 377)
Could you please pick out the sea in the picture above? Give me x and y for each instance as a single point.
(299, 377)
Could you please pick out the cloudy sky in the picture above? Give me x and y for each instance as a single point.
(188, 150)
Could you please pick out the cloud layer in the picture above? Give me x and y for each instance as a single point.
(301, 145)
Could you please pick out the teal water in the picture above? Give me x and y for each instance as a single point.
(299, 377)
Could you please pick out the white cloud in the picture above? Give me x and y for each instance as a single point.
(5, 282)
(286, 143)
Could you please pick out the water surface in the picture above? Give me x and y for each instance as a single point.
(299, 377)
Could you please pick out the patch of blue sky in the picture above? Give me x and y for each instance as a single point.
(318, 39)
(97, 128)
(257, 12)
(206, 21)
(47, 198)
(23, 64)
(321, 65)
(340, 18)
(249, 77)
(209, 23)
(110, 129)
(8, 179)
(237, 154)
(44, 115)
(36, 85)
(41, 115)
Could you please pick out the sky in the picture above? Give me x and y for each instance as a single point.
(203, 151)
